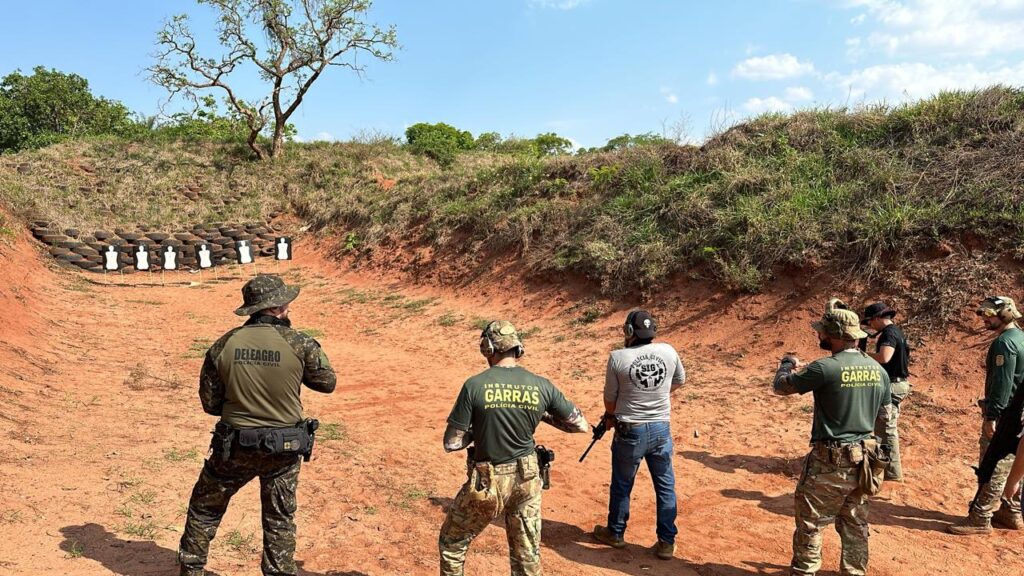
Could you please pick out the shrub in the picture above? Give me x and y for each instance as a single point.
(440, 141)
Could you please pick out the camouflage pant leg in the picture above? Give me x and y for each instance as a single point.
(523, 526)
(278, 485)
(469, 514)
(887, 429)
(217, 483)
(828, 493)
(987, 500)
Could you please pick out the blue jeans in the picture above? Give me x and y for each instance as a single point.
(651, 442)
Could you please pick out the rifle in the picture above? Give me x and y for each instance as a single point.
(599, 431)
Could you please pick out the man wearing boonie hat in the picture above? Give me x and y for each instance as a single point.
(850, 389)
(893, 353)
(1004, 373)
(251, 378)
(498, 411)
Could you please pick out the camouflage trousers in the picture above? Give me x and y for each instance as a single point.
(512, 491)
(887, 429)
(829, 492)
(987, 499)
(218, 482)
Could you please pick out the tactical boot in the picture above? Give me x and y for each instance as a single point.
(973, 524)
(664, 550)
(1007, 517)
(605, 536)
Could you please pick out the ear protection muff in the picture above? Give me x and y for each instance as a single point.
(999, 309)
(627, 329)
(486, 344)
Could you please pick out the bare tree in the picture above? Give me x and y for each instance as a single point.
(300, 40)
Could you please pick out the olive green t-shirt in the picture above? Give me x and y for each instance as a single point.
(849, 388)
(262, 378)
(1004, 371)
(503, 406)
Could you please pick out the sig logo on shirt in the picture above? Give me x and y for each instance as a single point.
(257, 357)
(647, 372)
(524, 396)
(860, 377)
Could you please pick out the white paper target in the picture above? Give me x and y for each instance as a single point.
(141, 258)
(244, 249)
(283, 248)
(170, 258)
(110, 259)
(204, 256)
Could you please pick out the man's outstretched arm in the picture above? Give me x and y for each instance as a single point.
(456, 439)
(783, 383)
(574, 423)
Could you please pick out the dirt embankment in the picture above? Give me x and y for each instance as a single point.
(105, 435)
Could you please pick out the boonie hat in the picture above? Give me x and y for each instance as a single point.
(877, 310)
(265, 291)
(644, 325)
(503, 336)
(842, 324)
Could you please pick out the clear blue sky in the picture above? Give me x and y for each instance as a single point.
(587, 69)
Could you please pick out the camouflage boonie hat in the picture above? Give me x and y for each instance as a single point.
(997, 305)
(503, 336)
(840, 323)
(265, 291)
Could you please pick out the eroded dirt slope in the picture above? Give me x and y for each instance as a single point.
(104, 434)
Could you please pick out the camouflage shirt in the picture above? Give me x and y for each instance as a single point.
(252, 376)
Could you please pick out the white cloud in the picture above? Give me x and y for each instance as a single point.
(323, 136)
(558, 4)
(947, 28)
(772, 67)
(670, 95)
(858, 19)
(798, 94)
(712, 79)
(769, 104)
(915, 80)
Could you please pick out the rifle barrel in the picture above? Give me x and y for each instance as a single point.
(592, 442)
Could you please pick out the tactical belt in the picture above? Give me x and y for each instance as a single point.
(511, 467)
(895, 380)
(842, 453)
(296, 440)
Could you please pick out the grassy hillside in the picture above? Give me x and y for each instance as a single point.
(851, 191)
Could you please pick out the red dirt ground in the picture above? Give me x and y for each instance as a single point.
(104, 435)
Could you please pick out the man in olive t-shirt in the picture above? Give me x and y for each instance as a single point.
(251, 378)
(1004, 373)
(850, 389)
(498, 411)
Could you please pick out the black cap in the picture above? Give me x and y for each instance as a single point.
(644, 325)
(877, 310)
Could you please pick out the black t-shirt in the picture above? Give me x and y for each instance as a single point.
(899, 365)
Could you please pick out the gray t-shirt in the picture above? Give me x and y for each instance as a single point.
(639, 380)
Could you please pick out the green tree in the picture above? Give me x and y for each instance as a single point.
(626, 141)
(50, 106)
(550, 144)
(291, 43)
